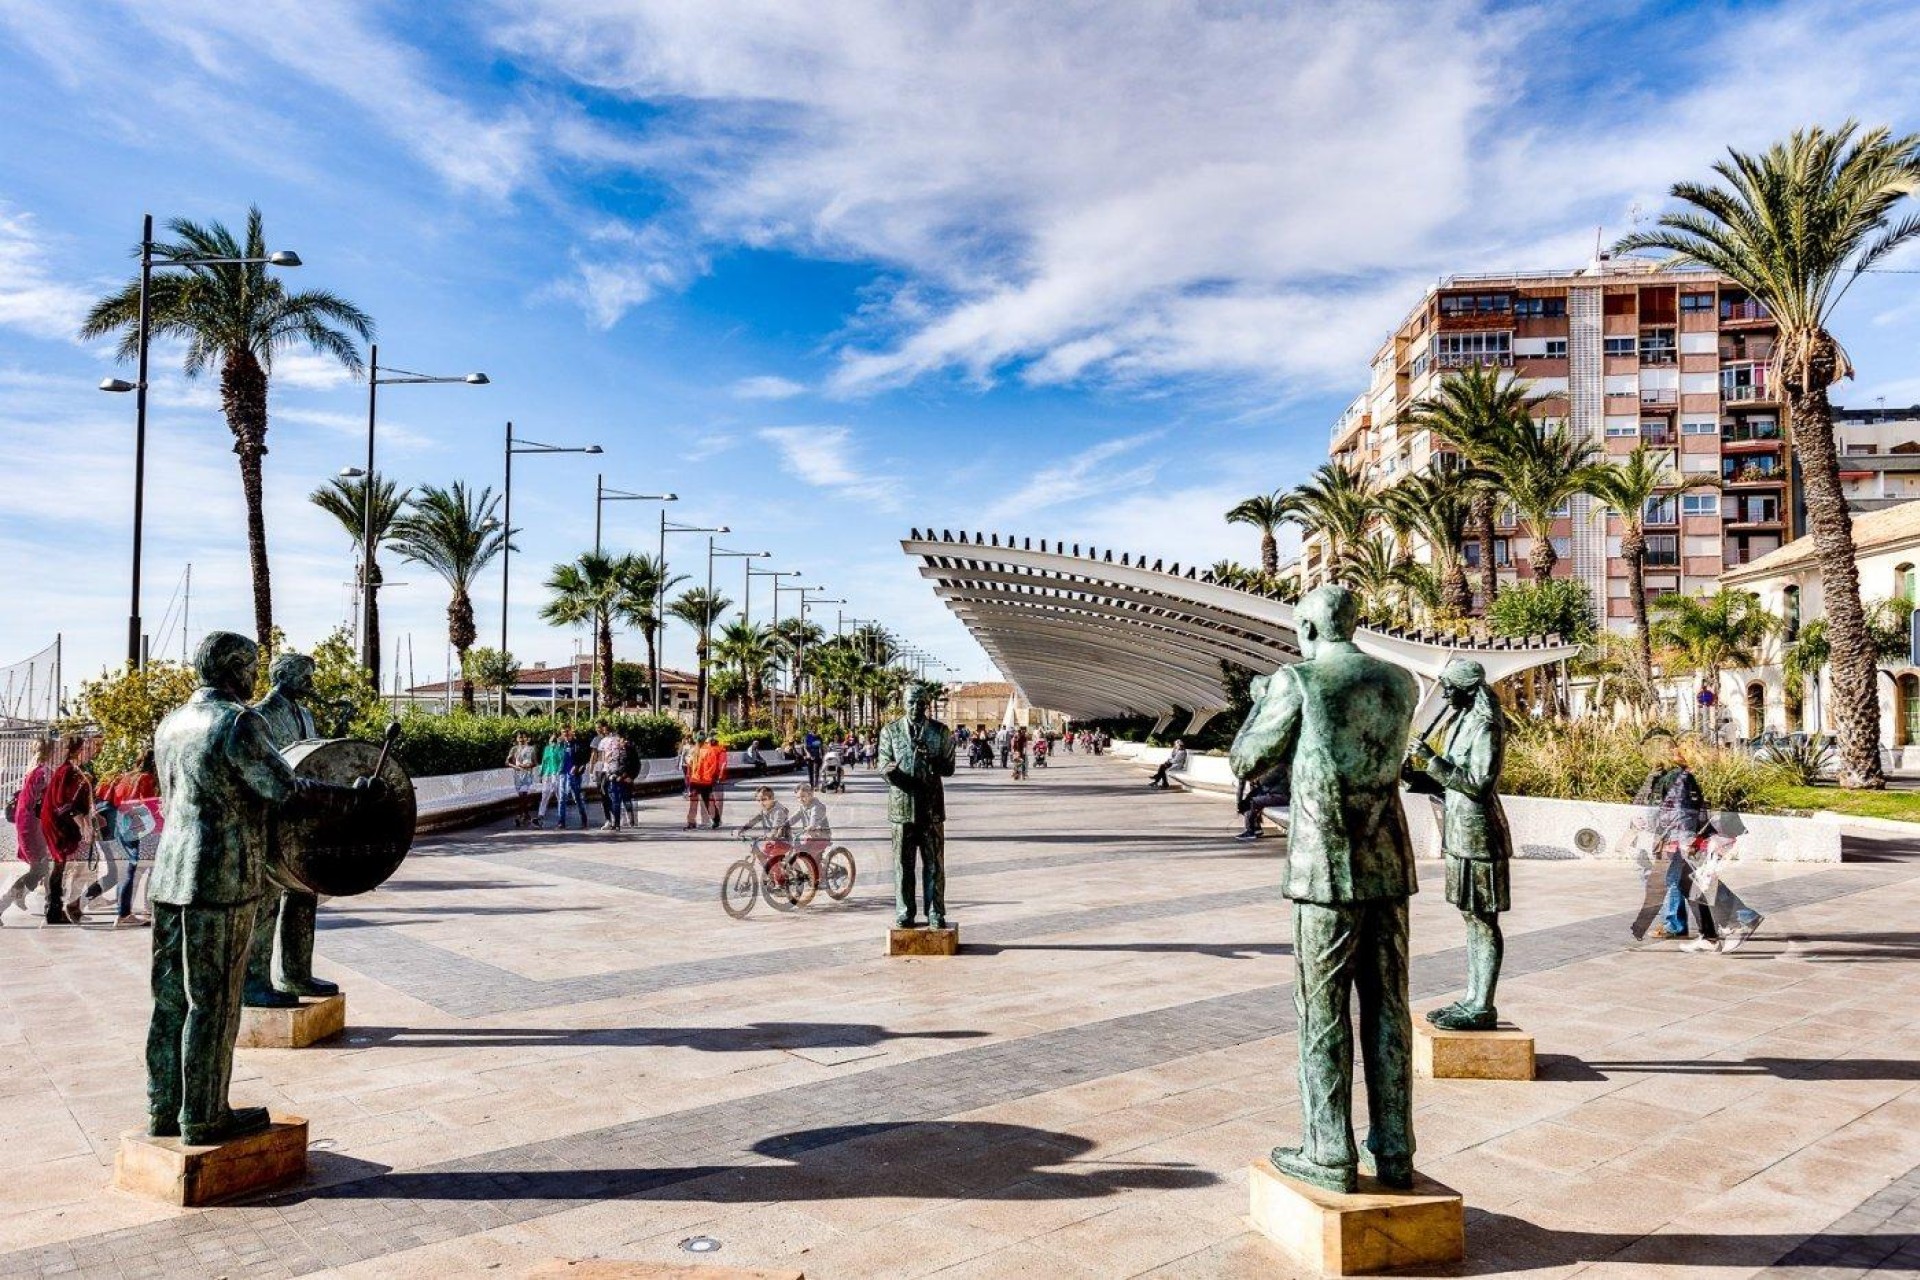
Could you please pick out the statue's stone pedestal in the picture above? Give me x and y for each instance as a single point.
(313, 1019)
(1373, 1229)
(167, 1169)
(1505, 1053)
(924, 942)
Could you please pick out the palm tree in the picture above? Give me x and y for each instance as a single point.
(1801, 661)
(1627, 487)
(749, 648)
(1475, 411)
(1372, 569)
(1437, 505)
(795, 636)
(1337, 504)
(1541, 471)
(345, 499)
(644, 583)
(1265, 512)
(1713, 633)
(454, 533)
(586, 591)
(700, 609)
(238, 317)
(1795, 226)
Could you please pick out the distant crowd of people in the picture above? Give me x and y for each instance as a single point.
(82, 834)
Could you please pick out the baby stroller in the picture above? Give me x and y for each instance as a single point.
(833, 772)
(980, 754)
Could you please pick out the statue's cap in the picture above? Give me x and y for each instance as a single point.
(1463, 673)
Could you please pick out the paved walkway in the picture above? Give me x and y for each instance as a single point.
(560, 1047)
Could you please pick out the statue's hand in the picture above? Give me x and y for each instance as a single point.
(1420, 755)
(370, 787)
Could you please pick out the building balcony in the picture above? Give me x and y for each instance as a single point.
(1744, 476)
(1753, 526)
(1750, 445)
(1659, 355)
(1660, 399)
(1461, 360)
(1743, 315)
(1748, 393)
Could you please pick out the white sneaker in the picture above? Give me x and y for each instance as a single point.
(1701, 944)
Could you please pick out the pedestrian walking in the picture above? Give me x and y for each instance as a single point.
(553, 780)
(66, 819)
(578, 756)
(610, 761)
(706, 774)
(815, 752)
(30, 840)
(133, 801)
(524, 760)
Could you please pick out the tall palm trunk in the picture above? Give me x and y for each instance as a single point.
(1269, 552)
(243, 398)
(1633, 549)
(603, 658)
(1482, 513)
(700, 689)
(653, 663)
(1856, 692)
(1456, 594)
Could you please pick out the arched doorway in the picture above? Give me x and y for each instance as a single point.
(1906, 711)
(1756, 709)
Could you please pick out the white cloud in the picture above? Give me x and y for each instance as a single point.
(822, 456)
(1082, 476)
(32, 299)
(768, 387)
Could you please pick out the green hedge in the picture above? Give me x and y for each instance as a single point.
(461, 743)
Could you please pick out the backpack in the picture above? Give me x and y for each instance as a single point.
(630, 761)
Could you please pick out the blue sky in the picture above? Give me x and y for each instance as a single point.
(828, 271)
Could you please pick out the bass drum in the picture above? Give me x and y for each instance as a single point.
(336, 845)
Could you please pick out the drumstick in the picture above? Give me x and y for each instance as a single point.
(392, 736)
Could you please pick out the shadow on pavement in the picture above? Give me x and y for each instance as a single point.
(934, 1159)
(1220, 950)
(752, 1038)
(1498, 1242)
(1778, 1068)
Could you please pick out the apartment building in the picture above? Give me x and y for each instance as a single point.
(1624, 355)
(1879, 456)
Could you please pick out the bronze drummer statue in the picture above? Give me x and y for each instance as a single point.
(221, 781)
(280, 966)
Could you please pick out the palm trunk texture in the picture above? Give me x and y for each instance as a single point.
(1856, 695)
(1542, 556)
(603, 658)
(243, 398)
(1482, 511)
(373, 624)
(1633, 549)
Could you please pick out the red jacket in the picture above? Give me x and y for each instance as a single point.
(66, 815)
(708, 766)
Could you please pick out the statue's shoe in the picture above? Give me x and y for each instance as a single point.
(904, 922)
(238, 1122)
(936, 922)
(1460, 1018)
(1295, 1164)
(311, 987)
(1434, 1015)
(1393, 1171)
(267, 998)
(163, 1126)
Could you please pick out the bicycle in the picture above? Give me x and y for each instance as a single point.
(785, 878)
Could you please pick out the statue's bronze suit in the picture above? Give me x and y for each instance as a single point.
(916, 752)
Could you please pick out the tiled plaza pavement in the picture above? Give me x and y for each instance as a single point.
(561, 1047)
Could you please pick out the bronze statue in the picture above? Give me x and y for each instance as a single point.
(1338, 724)
(1473, 831)
(220, 779)
(916, 752)
(280, 965)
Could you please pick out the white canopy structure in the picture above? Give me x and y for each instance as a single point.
(1082, 634)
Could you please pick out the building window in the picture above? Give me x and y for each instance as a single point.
(1790, 610)
(1471, 304)
(1660, 510)
(1663, 551)
(1699, 428)
(1623, 430)
(1556, 349)
(1903, 584)
(1458, 349)
(1562, 547)
(1564, 510)
(1621, 346)
(1540, 308)
(1700, 504)
(1906, 724)
(1657, 346)
(1696, 302)
(1756, 709)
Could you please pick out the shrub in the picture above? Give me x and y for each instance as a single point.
(1595, 759)
(127, 706)
(1804, 763)
(463, 743)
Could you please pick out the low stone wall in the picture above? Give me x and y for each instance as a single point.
(1555, 828)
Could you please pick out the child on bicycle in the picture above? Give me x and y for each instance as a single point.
(772, 819)
(812, 833)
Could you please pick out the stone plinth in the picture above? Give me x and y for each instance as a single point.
(1373, 1229)
(167, 1169)
(1505, 1053)
(616, 1269)
(924, 942)
(295, 1027)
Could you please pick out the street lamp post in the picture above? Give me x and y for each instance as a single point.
(804, 604)
(283, 258)
(706, 629)
(369, 649)
(506, 551)
(603, 495)
(660, 600)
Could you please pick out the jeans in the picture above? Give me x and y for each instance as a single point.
(574, 794)
(613, 796)
(1673, 908)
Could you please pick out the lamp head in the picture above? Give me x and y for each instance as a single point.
(351, 473)
(724, 529)
(669, 497)
(284, 258)
(476, 379)
(593, 448)
(115, 384)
